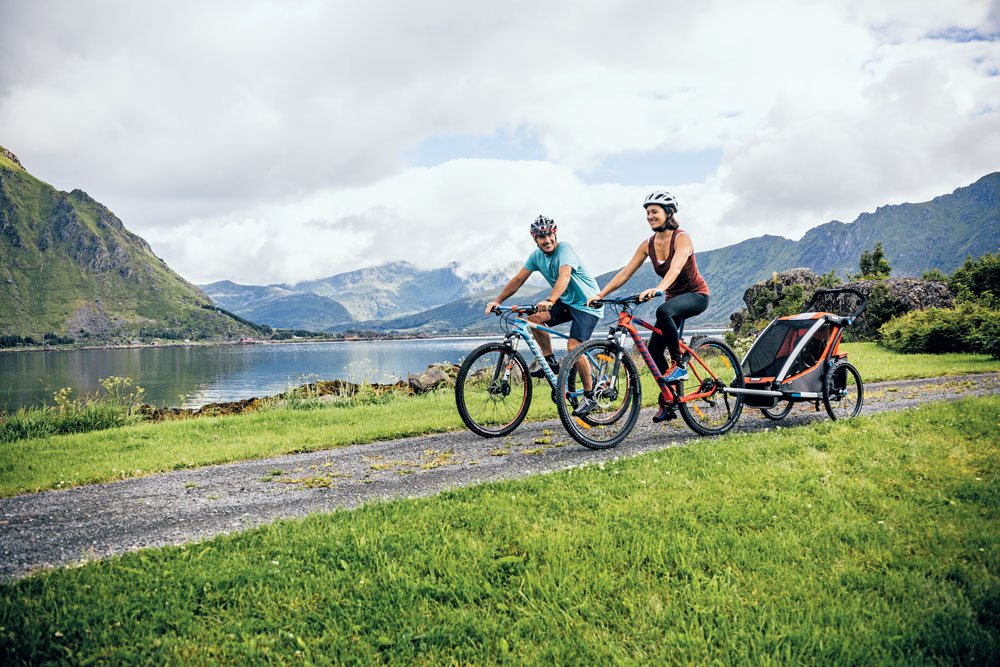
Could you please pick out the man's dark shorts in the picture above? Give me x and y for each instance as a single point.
(583, 323)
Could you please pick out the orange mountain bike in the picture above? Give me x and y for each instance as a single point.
(706, 405)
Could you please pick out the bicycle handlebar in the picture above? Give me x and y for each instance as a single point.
(499, 311)
(625, 300)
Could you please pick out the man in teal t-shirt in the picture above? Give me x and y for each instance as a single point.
(572, 287)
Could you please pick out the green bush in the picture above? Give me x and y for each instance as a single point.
(829, 279)
(969, 328)
(978, 280)
(882, 308)
(985, 335)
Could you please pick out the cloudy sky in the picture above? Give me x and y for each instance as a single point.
(281, 141)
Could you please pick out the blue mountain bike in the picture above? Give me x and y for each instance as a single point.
(493, 388)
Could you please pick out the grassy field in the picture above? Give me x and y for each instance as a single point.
(62, 461)
(873, 541)
(878, 364)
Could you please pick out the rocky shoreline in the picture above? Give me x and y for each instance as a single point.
(432, 377)
(212, 343)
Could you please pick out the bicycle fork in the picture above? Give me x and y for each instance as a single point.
(500, 382)
(607, 383)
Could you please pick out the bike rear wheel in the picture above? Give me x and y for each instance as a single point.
(493, 390)
(843, 392)
(616, 389)
(715, 412)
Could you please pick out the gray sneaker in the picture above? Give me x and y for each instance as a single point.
(585, 407)
(535, 369)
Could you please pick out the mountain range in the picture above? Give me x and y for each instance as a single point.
(69, 267)
(368, 295)
(937, 234)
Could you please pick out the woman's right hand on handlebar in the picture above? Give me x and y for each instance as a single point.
(592, 301)
(648, 294)
(491, 305)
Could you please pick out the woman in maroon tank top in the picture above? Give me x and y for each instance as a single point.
(685, 291)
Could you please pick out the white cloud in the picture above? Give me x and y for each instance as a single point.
(265, 141)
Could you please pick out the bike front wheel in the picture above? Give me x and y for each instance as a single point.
(843, 392)
(493, 390)
(705, 406)
(615, 388)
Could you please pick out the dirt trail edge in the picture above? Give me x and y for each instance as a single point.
(56, 528)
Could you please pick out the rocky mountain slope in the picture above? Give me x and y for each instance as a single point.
(68, 266)
(938, 234)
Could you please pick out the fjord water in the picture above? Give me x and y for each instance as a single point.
(191, 376)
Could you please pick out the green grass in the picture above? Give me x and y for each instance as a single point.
(116, 403)
(873, 541)
(62, 461)
(878, 364)
(68, 460)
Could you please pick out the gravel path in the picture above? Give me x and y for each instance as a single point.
(56, 528)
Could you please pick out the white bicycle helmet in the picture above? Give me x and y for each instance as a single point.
(661, 198)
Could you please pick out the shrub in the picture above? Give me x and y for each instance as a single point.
(978, 280)
(829, 279)
(740, 343)
(882, 307)
(969, 328)
(985, 336)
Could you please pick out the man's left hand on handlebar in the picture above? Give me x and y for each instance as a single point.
(491, 305)
(543, 306)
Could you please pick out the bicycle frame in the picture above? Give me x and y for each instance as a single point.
(626, 324)
(522, 331)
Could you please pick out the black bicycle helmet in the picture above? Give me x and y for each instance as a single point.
(543, 226)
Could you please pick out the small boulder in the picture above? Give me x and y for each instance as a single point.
(763, 297)
(435, 376)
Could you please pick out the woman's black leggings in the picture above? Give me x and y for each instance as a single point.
(668, 317)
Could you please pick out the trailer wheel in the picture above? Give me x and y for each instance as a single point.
(843, 391)
(778, 412)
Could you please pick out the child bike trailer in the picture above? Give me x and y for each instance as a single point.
(798, 359)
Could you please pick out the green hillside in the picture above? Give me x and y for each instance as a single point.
(938, 234)
(69, 267)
